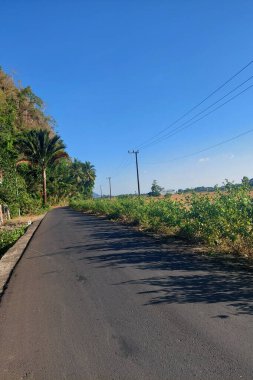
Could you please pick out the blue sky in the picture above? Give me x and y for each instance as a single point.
(115, 73)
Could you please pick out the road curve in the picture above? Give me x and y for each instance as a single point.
(91, 299)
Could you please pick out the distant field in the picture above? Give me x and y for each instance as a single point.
(181, 197)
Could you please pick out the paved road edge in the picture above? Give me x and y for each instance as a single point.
(11, 258)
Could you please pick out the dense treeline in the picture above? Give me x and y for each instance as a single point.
(32, 155)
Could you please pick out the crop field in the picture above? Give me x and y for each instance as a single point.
(223, 221)
(211, 194)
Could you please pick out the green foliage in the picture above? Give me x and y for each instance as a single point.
(83, 175)
(156, 190)
(223, 222)
(39, 148)
(26, 132)
(60, 182)
(9, 237)
(156, 215)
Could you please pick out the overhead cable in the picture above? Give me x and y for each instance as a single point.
(182, 127)
(196, 106)
(205, 149)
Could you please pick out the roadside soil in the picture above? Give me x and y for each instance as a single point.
(20, 221)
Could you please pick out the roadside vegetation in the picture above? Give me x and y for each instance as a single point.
(223, 222)
(36, 171)
(9, 236)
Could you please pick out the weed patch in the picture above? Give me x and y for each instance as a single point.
(223, 222)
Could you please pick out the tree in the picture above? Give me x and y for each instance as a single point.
(84, 176)
(155, 189)
(41, 150)
(246, 182)
(60, 182)
(22, 113)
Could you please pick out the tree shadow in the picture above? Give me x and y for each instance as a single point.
(174, 273)
(187, 277)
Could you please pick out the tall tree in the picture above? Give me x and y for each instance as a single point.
(39, 149)
(84, 175)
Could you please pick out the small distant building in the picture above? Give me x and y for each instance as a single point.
(169, 191)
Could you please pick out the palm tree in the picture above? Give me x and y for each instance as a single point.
(84, 175)
(89, 170)
(38, 148)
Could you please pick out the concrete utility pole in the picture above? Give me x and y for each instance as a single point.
(110, 186)
(101, 193)
(137, 168)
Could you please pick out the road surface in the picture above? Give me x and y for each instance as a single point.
(91, 299)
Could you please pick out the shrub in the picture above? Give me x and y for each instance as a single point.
(9, 237)
(223, 221)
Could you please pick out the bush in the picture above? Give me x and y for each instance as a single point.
(223, 221)
(9, 237)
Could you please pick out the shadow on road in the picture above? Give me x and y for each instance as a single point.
(186, 276)
(173, 273)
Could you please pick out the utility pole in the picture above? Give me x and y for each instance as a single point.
(110, 186)
(101, 193)
(137, 168)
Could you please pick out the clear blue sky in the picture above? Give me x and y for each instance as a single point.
(114, 73)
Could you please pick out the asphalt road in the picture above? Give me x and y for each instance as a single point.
(91, 299)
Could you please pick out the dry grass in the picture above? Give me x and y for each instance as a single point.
(182, 197)
(19, 222)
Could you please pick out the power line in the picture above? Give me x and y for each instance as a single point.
(122, 163)
(196, 106)
(205, 149)
(119, 170)
(182, 127)
(213, 104)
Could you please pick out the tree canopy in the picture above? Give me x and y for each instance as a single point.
(33, 156)
(156, 189)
